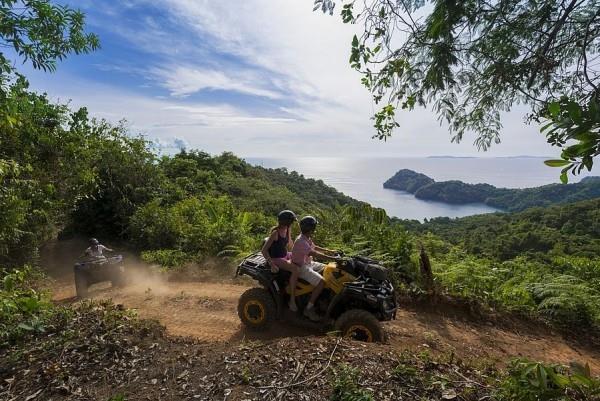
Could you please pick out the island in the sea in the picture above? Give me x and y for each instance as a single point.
(508, 199)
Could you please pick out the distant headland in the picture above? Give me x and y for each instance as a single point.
(508, 199)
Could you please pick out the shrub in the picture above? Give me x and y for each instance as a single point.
(22, 309)
(567, 300)
(346, 387)
(170, 258)
(534, 381)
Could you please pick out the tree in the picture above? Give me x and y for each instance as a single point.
(44, 162)
(42, 33)
(471, 60)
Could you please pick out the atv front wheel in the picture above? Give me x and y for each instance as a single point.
(81, 284)
(256, 309)
(118, 278)
(360, 325)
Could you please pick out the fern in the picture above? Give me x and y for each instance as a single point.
(567, 299)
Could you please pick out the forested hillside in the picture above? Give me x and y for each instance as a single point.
(572, 229)
(507, 199)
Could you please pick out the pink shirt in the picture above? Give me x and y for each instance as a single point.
(303, 246)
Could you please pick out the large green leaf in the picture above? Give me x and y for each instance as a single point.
(554, 109)
(556, 163)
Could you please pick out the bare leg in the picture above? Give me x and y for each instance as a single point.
(293, 269)
(316, 292)
(309, 311)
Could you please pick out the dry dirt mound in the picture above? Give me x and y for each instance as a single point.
(207, 311)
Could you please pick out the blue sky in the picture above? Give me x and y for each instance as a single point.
(256, 77)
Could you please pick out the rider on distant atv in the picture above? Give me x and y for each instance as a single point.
(302, 255)
(93, 267)
(96, 249)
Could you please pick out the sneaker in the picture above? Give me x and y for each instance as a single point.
(293, 307)
(311, 314)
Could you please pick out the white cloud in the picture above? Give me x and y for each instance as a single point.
(310, 52)
(309, 49)
(222, 116)
(282, 53)
(169, 144)
(185, 80)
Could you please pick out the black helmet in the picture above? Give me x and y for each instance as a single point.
(94, 241)
(308, 223)
(286, 217)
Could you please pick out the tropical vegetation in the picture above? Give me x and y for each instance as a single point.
(571, 229)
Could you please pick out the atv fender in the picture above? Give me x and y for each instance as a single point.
(270, 284)
(346, 297)
(335, 307)
(275, 292)
(267, 280)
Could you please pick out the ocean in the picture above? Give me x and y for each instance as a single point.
(363, 178)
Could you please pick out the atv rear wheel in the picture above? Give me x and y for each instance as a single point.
(358, 324)
(256, 309)
(81, 284)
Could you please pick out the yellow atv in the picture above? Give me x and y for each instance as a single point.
(357, 297)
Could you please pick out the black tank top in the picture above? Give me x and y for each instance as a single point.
(278, 248)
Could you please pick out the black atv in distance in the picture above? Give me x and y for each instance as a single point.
(357, 297)
(94, 270)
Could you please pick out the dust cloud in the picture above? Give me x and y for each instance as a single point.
(58, 257)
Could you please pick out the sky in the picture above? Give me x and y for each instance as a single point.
(260, 78)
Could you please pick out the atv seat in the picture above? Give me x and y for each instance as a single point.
(257, 261)
(283, 278)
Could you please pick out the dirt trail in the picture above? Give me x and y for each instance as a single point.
(207, 311)
(203, 310)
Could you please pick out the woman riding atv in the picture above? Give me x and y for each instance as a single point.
(355, 297)
(276, 251)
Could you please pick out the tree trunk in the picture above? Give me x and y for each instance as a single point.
(426, 273)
